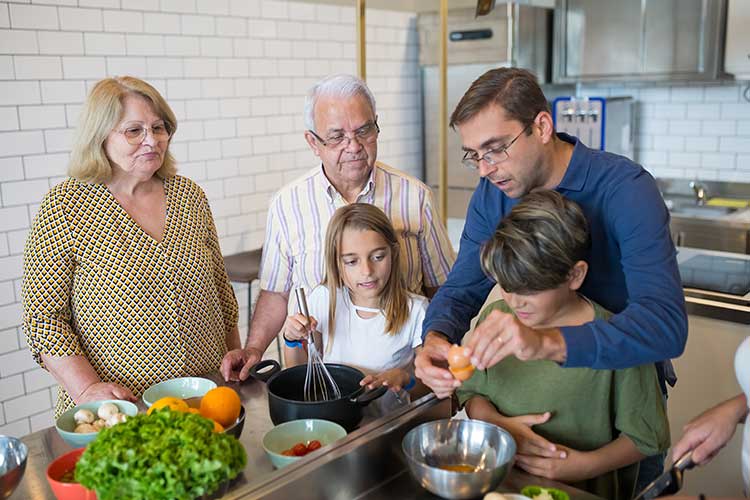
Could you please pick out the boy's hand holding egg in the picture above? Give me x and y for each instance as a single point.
(459, 363)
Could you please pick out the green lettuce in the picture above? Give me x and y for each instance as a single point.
(165, 455)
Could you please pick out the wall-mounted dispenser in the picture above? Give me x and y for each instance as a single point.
(604, 123)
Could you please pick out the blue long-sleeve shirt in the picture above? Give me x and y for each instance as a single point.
(632, 265)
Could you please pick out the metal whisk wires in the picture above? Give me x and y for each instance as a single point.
(319, 383)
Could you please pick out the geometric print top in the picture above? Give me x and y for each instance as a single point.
(298, 217)
(141, 311)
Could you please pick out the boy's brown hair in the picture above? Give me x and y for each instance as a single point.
(535, 247)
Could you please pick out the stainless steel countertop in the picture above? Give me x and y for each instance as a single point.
(259, 474)
(368, 464)
(46, 445)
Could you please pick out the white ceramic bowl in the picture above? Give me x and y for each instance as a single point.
(183, 388)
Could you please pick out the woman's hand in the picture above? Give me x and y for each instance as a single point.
(236, 364)
(105, 390)
(710, 431)
(572, 465)
(395, 379)
(298, 328)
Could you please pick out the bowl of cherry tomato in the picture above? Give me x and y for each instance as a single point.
(288, 442)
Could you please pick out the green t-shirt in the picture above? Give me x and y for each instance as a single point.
(590, 408)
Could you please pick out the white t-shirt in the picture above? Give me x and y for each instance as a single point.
(742, 370)
(363, 344)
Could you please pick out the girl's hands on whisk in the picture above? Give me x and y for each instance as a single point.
(395, 379)
(297, 328)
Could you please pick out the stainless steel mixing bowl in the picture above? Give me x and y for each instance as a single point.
(13, 454)
(486, 449)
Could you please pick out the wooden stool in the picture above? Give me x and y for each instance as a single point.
(244, 267)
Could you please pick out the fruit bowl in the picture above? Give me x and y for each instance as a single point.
(183, 388)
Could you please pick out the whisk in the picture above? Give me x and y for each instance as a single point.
(319, 383)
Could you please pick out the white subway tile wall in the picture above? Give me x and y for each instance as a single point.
(689, 130)
(235, 73)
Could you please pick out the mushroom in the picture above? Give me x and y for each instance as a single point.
(85, 429)
(115, 419)
(99, 424)
(84, 417)
(106, 410)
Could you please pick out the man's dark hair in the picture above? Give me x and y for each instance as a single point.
(515, 90)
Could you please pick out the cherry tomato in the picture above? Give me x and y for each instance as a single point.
(288, 453)
(313, 445)
(299, 450)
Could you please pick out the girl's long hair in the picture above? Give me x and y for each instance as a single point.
(394, 299)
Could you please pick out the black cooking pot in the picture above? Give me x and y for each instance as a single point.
(286, 399)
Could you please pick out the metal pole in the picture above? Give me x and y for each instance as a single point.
(361, 53)
(443, 125)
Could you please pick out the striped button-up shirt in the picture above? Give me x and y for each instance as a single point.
(294, 253)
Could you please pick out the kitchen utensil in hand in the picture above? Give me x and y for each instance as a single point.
(319, 384)
(670, 482)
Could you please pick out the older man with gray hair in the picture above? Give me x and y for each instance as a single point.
(342, 130)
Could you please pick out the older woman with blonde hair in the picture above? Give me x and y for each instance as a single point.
(124, 283)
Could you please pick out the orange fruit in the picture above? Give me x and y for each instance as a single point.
(174, 404)
(196, 411)
(217, 426)
(221, 404)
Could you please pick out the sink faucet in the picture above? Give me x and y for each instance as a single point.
(700, 192)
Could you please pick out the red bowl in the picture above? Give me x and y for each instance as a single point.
(67, 491)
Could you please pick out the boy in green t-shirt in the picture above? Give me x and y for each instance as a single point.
(590, 427)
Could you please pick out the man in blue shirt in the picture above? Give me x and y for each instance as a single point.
(507, 132)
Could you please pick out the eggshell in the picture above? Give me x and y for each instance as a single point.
(457, 358)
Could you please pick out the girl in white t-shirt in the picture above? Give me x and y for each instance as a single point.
(374, 323)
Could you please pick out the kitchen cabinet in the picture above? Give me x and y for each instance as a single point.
(511, 33)
(711, 234)
(737, 49)
(705, 378)
(598, 40)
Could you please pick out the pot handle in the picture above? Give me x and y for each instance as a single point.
(363, 398)
(263, 376)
